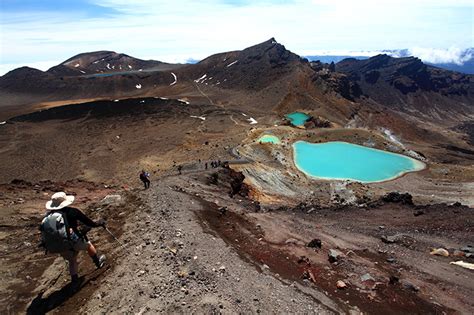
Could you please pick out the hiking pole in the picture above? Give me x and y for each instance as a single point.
(116, 239)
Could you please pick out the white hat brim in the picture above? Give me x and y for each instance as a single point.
(69, 200)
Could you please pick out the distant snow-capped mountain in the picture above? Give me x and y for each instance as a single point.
(454, 59)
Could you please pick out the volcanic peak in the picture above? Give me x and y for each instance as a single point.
(101, 62)
(23, 72)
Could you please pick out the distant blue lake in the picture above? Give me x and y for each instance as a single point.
(347, 161)
(297, 118)
(109, 74)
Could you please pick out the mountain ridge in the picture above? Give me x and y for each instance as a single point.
(279, 79)
(389, 80)
(464, 62)
(102, 61)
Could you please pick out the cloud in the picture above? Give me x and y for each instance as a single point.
(343, 52)
(450, 55)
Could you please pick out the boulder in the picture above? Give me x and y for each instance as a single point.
(111, 200)
(334, 255)
(341, 284)
(393, 280)
(440, 252)
(468, 249)
(418, 213)
(315, 243)
(411, 287)
(389, 239)
(397, 197)
(366, 277)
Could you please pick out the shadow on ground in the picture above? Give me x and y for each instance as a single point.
(42, 305)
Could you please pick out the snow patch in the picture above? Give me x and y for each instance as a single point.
(82, 71)
(164, 98)
(252, 121)
(76, 65)
(183, 101)
(108, 66)
(142, 101)
(97, 61)
(140, 69)
(198, 117)
(3, 123)
(244, 114)
(129, 67)
(232, 63)
(175, 79)
(201, 78)
(138, 86)
(116, 100)
(463, 264)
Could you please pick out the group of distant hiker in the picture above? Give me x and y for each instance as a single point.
(213, 164)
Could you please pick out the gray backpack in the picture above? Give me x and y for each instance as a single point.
(54, 233)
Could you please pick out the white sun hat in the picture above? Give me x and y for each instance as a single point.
(59, 200)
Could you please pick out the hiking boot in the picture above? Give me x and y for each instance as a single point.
(99, 261)
(75, 284)
(74, 278)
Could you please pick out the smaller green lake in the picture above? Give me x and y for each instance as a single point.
(297, 118)
(347, 161)
(269, 139)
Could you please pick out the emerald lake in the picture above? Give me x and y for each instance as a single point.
(347, 161)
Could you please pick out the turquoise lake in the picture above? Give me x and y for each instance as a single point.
(269, 139)
(297, 118)
(347, 161)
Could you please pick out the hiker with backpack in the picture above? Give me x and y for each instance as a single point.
(60, 233)
(145, 178)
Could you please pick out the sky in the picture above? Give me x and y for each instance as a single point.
(43, 33)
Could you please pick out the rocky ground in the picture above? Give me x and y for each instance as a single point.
(183, 253)
(221, 240)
